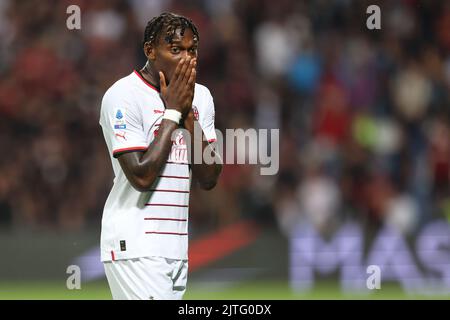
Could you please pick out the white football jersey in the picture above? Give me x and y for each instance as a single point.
(154, 223)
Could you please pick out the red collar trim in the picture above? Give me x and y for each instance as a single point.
(145, 81)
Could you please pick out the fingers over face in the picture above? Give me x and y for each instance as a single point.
(177, 72)
(162, 81)
(189, 69)
(185, 69)
(191, 79)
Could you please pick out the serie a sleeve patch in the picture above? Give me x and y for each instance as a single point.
(119, 121)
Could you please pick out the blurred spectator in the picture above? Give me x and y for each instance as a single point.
(319, 198)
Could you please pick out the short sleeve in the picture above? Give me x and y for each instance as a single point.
(208, 119)
(122, 125)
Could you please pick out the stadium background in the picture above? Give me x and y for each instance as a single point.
(364, 137)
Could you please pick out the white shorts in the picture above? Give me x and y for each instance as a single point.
(148, 278)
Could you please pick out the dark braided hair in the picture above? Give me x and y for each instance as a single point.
(171, 23)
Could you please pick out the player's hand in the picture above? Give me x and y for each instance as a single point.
(179, 93)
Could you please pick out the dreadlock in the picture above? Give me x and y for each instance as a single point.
(171, 23)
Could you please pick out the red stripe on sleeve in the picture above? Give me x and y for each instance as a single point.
(131, 149)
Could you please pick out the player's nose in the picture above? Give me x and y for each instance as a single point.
(185, 55)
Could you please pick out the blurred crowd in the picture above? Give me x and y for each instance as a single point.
(364, 115)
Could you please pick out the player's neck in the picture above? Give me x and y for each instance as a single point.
(149, 75)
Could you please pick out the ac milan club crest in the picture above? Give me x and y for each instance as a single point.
(194, 108)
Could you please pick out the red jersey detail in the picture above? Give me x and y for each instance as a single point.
(165, 190)
(121, 136)
(165, 219)
(145, 81)
(130, 149)
(165, 205)
(167, 233)
(194, 108)
(174, 177)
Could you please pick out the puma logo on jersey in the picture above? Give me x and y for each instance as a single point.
(121, 135)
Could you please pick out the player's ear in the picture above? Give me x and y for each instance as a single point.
(149, 51)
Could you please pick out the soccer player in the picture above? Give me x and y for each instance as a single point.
(144, 236)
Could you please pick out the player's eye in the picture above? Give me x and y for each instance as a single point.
(175, 49)
(193, 49)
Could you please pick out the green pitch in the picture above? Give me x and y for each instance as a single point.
(250, 290)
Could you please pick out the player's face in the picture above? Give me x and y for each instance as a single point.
(169, 54)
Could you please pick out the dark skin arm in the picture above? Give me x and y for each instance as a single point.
(206, 174)
(142, 168)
